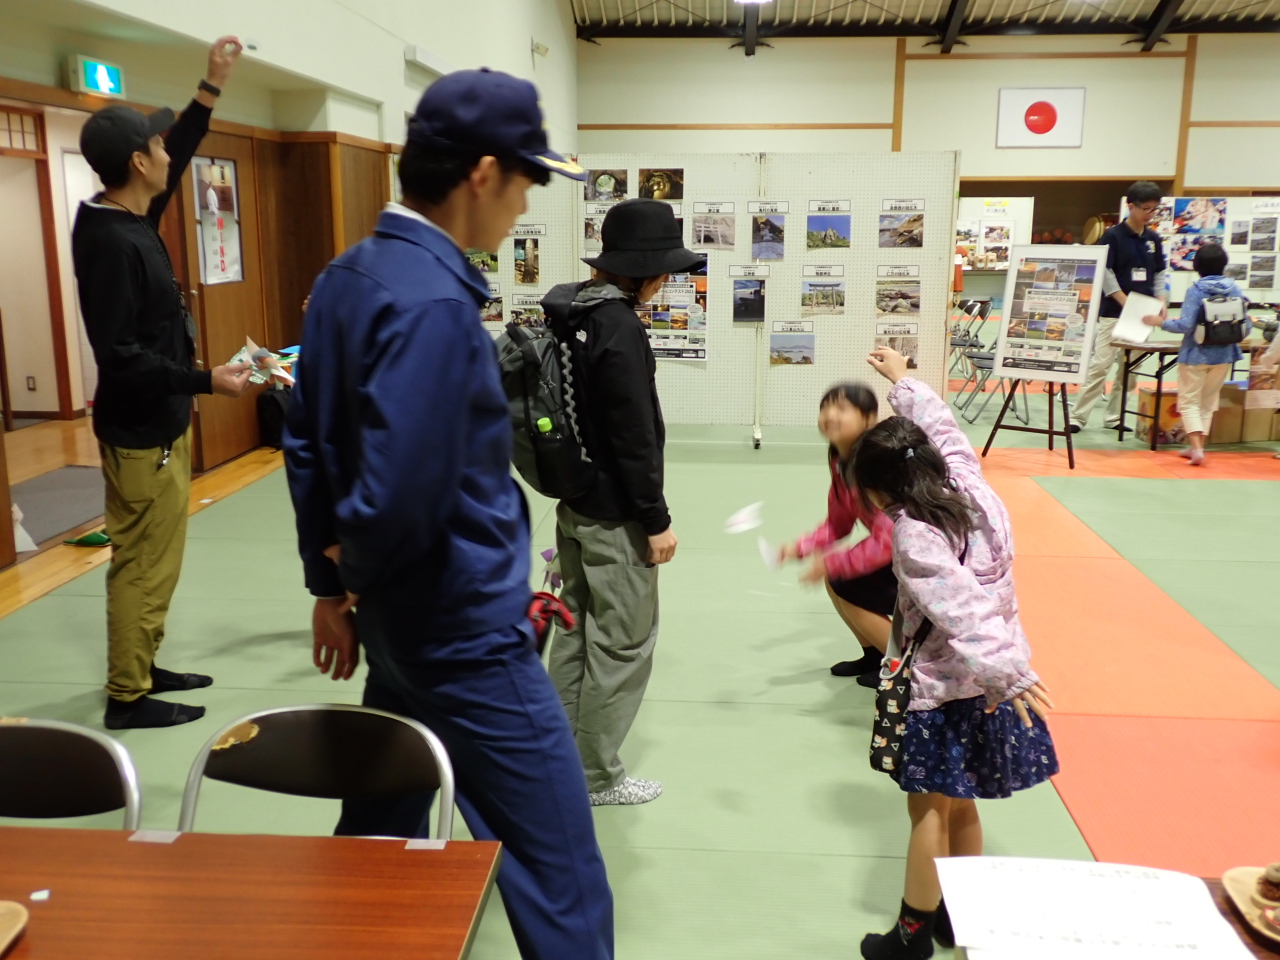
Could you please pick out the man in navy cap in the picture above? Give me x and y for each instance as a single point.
(398, 453)
(144, 342)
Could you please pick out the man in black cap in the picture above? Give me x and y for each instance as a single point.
(143, 339)
(398, 449)
(612, 539)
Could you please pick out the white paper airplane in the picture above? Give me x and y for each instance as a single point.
(748, 518)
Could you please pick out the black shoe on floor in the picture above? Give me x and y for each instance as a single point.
(869, 662)
(166, 681)
(145, 712)
(1076, 428)
(869, 680)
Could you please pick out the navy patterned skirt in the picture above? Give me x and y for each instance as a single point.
(963, 752)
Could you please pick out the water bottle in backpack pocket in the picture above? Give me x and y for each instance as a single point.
(546, 446)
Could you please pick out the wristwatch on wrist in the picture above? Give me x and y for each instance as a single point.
(208, 87)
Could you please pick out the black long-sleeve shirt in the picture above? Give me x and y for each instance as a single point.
(133, 310)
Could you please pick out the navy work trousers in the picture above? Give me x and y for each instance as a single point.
(519, 778)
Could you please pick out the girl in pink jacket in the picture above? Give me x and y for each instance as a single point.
(968, 733)
(859, 579)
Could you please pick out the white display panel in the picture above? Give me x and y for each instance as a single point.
(1052, 297)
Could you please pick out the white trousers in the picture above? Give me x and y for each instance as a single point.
(1104, 358)
(1199, 385)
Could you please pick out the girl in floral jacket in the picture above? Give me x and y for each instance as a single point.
(858, 579)
(969, 733)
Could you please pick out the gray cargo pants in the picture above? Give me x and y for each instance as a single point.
(601, 667)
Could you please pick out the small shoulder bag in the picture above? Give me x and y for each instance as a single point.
(894, 694)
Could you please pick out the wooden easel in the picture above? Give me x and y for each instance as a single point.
(1050, 432)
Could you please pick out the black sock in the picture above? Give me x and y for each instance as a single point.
(910, 939)
(942, 931)
(869, 662)
(145, 712)
(166, 681)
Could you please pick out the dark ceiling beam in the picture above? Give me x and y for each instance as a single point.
(1103, 27)
(1161, 20)
(750, 29)
(954, 21)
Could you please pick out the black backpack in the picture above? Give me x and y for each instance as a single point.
(1222, 322)
(546, 445)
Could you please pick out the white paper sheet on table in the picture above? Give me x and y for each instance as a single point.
(1130, 327)
(1007, 907)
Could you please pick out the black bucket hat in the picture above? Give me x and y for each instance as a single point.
(641, 238)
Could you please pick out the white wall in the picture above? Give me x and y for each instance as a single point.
(707, 82)
(28, 334)
(1237, 78)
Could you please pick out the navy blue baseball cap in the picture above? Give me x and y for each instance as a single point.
(489, 111)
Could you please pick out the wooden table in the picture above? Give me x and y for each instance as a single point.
(1166, 352)
(217, 896)
(1256, 942)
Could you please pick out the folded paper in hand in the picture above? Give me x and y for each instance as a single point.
(1130, 328)
(265, 363)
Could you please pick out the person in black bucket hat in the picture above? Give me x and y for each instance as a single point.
(613, 538)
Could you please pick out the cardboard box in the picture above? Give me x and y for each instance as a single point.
(1228, 425)
(1257, 426)
(1169, 429)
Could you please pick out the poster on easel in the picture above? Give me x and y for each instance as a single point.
(1052, 296)
(218, 223)
(676, 318)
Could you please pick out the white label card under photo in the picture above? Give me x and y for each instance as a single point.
(495, 288)
(525, 300)
(529, 230)
(892, 329)
(768, 206)
(824, 269)
(749, 270)
(710, 207)
(902, 206)
(903, 270)
(675, 207)
(793, 326)
(597, 209)
(1266, 205)
(830, 206)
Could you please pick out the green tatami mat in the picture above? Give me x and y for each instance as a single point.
(1211, 545)
(774, 837)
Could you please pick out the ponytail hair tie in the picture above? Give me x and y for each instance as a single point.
(911, 452)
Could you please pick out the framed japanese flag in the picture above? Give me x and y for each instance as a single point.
(1040, 117)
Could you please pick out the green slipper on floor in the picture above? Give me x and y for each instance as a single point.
(95, 539)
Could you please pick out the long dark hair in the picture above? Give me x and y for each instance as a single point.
(863, 399)
(896, 460)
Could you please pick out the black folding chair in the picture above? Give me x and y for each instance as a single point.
(52, 769)
(332, 750)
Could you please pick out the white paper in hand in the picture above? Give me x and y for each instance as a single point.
(769, 554)
(748, 518)
(1130, 328)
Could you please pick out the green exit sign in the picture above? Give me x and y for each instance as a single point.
(95, 76)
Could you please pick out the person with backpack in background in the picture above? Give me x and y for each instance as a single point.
(398, 451)
(613, 537)
(1209, 348)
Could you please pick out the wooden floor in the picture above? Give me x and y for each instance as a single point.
(48, 446)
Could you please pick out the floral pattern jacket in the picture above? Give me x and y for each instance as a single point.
(977, 646)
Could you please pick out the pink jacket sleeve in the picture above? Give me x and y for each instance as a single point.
(947, 592)
(837, 526)
(871, 553)
(914, 400)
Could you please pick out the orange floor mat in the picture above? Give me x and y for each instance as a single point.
(1043, 527)
(1187, 795)
(1109, 641)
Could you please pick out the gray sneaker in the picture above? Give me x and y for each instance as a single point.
(629, 791)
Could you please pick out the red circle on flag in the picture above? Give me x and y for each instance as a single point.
(1041, 117)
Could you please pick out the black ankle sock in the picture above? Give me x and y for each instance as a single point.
(869, 662)
(145, 712)
(942, 931)
(910, 939)
(166, 681)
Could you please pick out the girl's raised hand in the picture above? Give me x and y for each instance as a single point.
(1037, 698)
(889, 363)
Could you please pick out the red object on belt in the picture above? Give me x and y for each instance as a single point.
(545, 610)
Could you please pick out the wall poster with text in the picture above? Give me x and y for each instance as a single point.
(218, 222)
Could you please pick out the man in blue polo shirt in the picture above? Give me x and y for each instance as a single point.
(1135, 264)
(398, 452)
